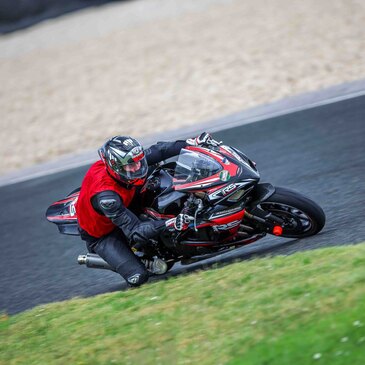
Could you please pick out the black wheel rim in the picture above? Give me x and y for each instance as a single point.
(296, 222)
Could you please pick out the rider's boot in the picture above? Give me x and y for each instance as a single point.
(156, 266)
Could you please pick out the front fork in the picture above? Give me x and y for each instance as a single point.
(265, 220)
(269, 223)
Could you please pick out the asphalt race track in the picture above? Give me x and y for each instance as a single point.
(15, 15)
(319, 152)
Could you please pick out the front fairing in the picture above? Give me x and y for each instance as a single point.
(218, 175)
(248, 168)
(200, 168)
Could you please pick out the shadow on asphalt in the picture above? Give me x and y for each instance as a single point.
(245, 253)
(215, 262)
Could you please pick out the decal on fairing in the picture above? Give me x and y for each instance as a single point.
(222, 192)
(227, 226)
(224, 175)
(225, 191)
(73, 207)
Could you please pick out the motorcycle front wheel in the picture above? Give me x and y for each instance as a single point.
(302, 216)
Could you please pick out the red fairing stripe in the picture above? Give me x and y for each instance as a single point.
(209, 224)
(215, 188)
(230, 218)
(62, 217)
(66, 200)
(205, 151)
(153, 213)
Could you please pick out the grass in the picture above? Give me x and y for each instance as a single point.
(308, 308)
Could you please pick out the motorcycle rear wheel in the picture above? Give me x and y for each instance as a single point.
(302, 216)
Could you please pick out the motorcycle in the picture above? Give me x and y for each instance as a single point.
(219, 188)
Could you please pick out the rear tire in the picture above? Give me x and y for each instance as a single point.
(302, 216)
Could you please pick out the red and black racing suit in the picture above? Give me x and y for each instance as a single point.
(106, 223)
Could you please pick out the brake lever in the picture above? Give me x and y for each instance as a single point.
(200, 207)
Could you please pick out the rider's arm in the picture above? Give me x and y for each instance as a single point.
(163, 150)
(110, 204)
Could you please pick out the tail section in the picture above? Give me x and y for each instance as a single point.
(63, 214)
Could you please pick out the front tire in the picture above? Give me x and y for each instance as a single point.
(302, 216)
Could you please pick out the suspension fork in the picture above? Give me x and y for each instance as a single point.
(268, 221)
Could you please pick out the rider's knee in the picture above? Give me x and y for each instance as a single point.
(134, 274)
(138, 279)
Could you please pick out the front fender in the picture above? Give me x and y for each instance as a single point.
(261, 192)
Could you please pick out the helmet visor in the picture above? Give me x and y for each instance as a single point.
(134, 170)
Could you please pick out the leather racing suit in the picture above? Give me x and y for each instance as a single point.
(106, 223)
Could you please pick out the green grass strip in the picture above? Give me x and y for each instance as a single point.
(308, 308)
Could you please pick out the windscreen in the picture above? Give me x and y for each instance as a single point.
(193, 166)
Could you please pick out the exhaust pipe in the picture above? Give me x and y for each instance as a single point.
(94, 262)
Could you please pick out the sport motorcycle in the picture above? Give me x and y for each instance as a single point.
(218, 187)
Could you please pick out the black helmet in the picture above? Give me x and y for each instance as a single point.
(125, 160)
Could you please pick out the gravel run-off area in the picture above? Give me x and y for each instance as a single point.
(146, 66)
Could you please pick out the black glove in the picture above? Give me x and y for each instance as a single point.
(179, 223)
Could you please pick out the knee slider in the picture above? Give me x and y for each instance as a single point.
(134, 273)
(137, 279)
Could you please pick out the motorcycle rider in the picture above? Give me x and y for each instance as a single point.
(108, 189)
